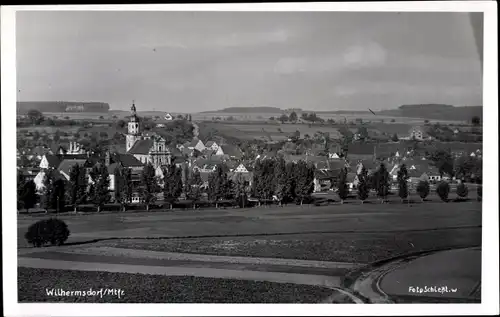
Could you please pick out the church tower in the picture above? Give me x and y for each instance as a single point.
(133, 133)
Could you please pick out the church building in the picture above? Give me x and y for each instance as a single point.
(146, 148)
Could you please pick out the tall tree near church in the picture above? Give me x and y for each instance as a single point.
(123, 186)
(382, 180)
(363, 186)
(77, 184)
(342, 190)
(194, 188)
(218, 184)
(281, 178)
(48, 189)
(149, 185)
(100, 194)
(403, 182)
(172, 187)
(304, 180)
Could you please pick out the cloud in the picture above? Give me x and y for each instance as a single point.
(359, 56)
(250, 39)
(367, 55)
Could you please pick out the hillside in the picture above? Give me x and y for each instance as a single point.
(247, 110)
(61, 106)
(435, 112)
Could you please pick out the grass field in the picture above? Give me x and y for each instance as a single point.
(352, 247)
(262, 131)
(138, 288)
(325, 116)
(277, 131)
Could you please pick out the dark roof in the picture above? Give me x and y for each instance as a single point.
(53, 160)
(39, 150)
(231, 150)
(66, 165)
(360, 148)
(328, 174)
(194, 142)
(127, 160)
(174, 151)
(209, 143)
(141, 147)
(56, 147)
(73, 157)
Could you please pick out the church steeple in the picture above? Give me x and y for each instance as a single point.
(133, 109)
(134, 131)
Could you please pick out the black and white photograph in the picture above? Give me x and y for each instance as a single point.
(250, 156)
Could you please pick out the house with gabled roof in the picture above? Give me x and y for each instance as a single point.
(230, 151)
(67, 164)
(212, 145)
(49, 161)
(195, 144)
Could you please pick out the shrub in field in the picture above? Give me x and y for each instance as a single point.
(51, 230)
(423, 189)
(462, 190)
(479, 192)
(443, 190)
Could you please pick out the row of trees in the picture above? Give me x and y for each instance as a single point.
(272, 180)
(380, 181)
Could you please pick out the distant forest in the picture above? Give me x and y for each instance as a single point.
(436, 112)
(425, 111)
(61, 106)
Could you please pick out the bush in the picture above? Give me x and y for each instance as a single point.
(462, 190)
(479, 192)
(51, 230)
(423, 189)
(443, 190)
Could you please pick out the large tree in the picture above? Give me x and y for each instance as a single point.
(195, 189)
(149, 185)
(281, 178)
(293, 117)
(363, 185)
(77, 185)
(423, 189)
(172, 183)
(123, 186)
(476, 120)
(462, 190)
(218, 184)
(382, 181)
(240, 190)
(35, 116)
(467, 167)
(20, 187)
(403, 182)
(26, 193)
(304, 185)
(343, 190)
(443, 160)
(48, 189)
(443, 190)
(100, 194)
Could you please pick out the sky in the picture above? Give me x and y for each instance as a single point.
(200, 61)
